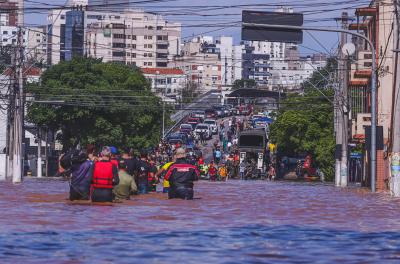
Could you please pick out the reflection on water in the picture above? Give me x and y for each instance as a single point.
(234, 222)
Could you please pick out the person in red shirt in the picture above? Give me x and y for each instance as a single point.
(212, 172)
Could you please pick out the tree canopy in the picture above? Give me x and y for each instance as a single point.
(304, 124)
(96, 103)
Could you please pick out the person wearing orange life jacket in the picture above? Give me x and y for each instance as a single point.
(105, 177)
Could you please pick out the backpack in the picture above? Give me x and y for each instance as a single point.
(73, 156)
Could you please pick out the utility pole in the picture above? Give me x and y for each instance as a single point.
(18, 112)
(39, 153)
(395, 127)
(344, 103)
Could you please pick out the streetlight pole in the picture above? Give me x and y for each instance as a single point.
(373, 82)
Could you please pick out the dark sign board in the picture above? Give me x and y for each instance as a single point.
(379, 137)
(271, 34)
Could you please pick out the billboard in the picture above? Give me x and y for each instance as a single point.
(272, 34)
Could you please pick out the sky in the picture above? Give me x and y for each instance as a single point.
(222, 17)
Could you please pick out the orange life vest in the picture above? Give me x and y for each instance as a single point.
(103, 175)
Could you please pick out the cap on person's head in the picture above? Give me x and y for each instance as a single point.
(180, 153)
(106, 152)
(113, 150)
(122, 164)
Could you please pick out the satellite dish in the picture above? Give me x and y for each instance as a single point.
(348, 49)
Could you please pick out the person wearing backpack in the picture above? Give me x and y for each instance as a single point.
(76, 162)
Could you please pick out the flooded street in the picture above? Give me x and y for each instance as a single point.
(233, 222)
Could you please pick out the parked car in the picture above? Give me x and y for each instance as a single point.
(204, 128)
(213, 125)
(210, 113)
(186, 128)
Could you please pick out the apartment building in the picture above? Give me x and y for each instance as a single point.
(131, 37)
(8, 13)
(36, 44)
(166, 82)
(375, 23)
(200, 59)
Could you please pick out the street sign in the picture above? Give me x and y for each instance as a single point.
(355, 155)
(250, 32)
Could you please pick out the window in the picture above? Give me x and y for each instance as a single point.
(118, 53)
(118, 45)
(5, 32)
(148, 37)
(161, 64)
(150, 27)
(148, 46)
(162, 55)
(133, 37)
(62, 16)
(145, 63)
(133, 55)
(159, 27)
(128, 36)
(161, 37)
(121, 36)
(149, 63)
(169, 81)
(162, 46)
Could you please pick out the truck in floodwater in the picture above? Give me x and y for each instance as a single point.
(252, 146)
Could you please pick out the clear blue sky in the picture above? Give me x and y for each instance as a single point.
(220, 16)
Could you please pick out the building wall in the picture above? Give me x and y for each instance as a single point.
(8, 13)
(385, 77)
(202, 69)
(37, 44)
(225, 45)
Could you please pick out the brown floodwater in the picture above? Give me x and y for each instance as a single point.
(232, 222)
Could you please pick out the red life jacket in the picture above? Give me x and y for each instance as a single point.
(103, 175)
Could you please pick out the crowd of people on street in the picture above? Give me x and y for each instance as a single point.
(111, 175)
(114, 175)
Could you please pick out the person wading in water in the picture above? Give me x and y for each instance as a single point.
(181, 176)
(105, 177)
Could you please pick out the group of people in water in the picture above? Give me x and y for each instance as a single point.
(113, 176)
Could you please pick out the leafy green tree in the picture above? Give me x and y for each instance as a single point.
(97, 103)
(304, 124)
(244, 83)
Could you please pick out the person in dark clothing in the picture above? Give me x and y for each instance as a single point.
(142, 173)
(181, 176)
(81, 170)
(152, 186)
(130, 161)
(105, 177)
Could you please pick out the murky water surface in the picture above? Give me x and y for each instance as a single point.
(233, 222)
